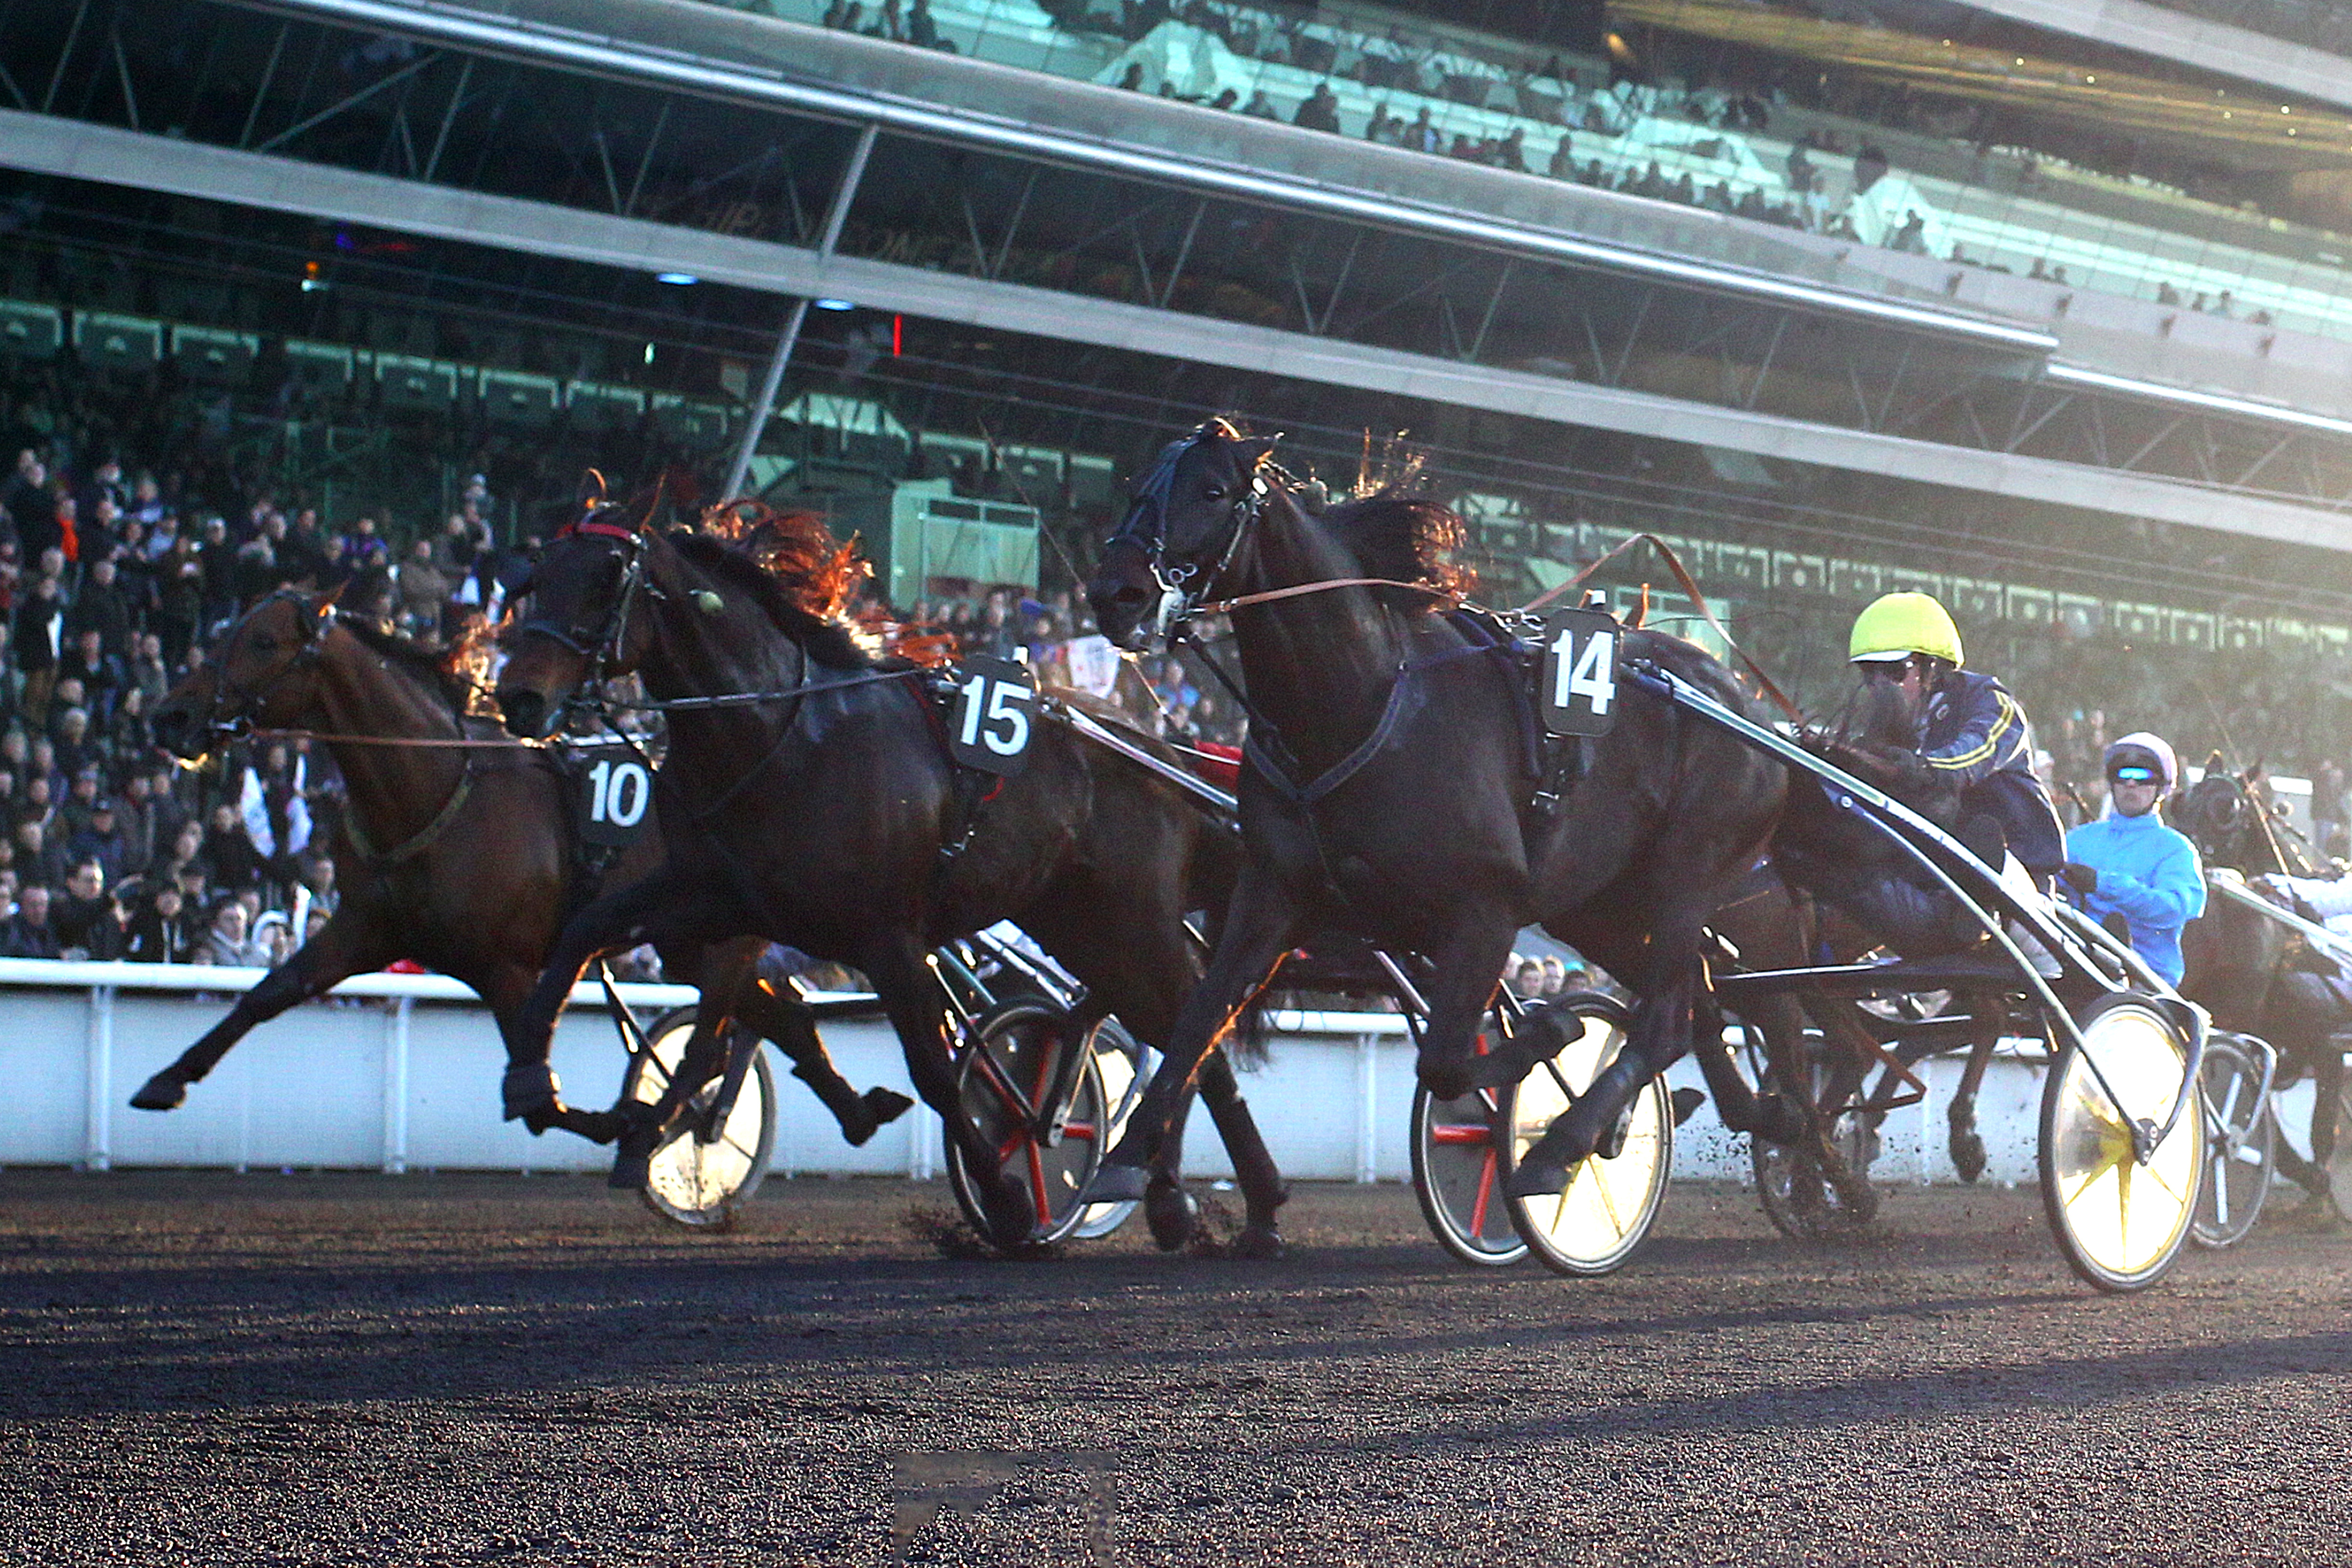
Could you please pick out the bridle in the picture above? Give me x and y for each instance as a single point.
(1183, 584)
(222, 728)
(601, 647)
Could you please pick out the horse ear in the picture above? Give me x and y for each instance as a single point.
(592, 488)
(2213, 761)
(1252, 452)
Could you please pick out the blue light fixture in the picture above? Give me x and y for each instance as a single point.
(834, 304)
(678, 277)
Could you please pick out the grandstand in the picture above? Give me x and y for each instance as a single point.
(2054, 325)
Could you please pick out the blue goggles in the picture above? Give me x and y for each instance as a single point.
(2134, 775)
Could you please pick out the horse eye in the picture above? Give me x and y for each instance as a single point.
(1216, 492)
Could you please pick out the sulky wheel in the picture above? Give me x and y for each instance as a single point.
(700, 1172)
(1457, 1174)
(1118, 1059)
(2119, 1220)
(2243, 1148)
(1008, 1075)
(1593, 1224)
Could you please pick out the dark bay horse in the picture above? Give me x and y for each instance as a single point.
(832, 816)
(1387, 781)
(2255, 975)
(460, 857)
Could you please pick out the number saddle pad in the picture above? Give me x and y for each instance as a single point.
(616, 795)
(1576, 686)
(991, 714)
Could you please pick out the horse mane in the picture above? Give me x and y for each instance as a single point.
(816, 572)
(1404, 537)
(439, 672)
(829, 638)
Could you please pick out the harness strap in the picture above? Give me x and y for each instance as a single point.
(420, 841)
(1258, 756)
(1297, 590)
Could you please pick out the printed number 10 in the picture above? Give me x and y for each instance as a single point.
(618, 794)
(1584, 675)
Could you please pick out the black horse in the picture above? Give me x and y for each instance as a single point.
(1387, 786)
(834, 818)
(2255, 975)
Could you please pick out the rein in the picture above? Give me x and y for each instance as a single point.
(746, 698)
(421, 742)
(1689, 585)
(1220, 606)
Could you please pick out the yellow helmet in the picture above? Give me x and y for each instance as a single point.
(1897, 625)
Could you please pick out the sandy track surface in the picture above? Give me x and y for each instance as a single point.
(450, 1369)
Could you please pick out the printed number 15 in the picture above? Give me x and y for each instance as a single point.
(1005, 706)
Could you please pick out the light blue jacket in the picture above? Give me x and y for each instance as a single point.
(2150, 874)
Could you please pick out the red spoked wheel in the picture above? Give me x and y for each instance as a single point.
(1047, 1118)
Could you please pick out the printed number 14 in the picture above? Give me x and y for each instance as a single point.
(1584, 675)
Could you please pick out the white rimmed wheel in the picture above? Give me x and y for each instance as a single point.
(701, 1173)
(2119, 1219)
(2243, 1151)
(1120, 1060)
(1049, 1141)
(1457, 1173)
(1592, 1224)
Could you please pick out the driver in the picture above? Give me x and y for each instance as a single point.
(1972, 735)
(1967, 744)
(2129, 863)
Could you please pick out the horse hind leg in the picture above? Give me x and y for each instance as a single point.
(1967, 1145)
(778, 1012)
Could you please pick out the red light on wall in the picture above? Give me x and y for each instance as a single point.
(897, 334)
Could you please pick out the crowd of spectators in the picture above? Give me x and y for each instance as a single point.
(114, 581)
(1584, 106)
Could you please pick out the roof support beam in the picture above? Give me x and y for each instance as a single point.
(80, 151)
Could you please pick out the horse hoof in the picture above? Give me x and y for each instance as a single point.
(880, 1107)
(165, 1091)
(633, 1166)
(1173, 1214)
(1114, 1184)
(1260, 1244)
(1011, 1222)
(1534, 1181)
(531, 1095)
(1446, 1080)
(1968, 1153)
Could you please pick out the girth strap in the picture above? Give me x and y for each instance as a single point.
(1256, 754)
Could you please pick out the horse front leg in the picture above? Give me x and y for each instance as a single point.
(346, 945)
(1467, 970)
(529, 1091)
(1261, 923)
(917, 1012)
(1660, 1033)
(1263, 1189)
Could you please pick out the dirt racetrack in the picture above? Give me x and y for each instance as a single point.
(207, 1368)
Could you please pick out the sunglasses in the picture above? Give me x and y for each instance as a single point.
(2132, 776)
(1889, 669)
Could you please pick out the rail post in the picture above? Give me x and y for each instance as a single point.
(395, 1086)
(98, 1135)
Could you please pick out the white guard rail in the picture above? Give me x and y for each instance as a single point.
(395, 1072)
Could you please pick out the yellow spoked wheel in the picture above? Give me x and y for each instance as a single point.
(1596, 1222)
(701, 1173)
(2120, 1220)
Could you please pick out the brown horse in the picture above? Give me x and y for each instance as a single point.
(810, 797)
(459, 854)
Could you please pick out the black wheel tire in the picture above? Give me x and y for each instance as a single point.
(1022, 1040)
(1457, 1175)
(2119, 1223)
(688, 1182)
(2244, 1154)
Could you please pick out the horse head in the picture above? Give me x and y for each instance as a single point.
(261, 676)
(587, 589)
(2223, 815)
(1186, 518)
